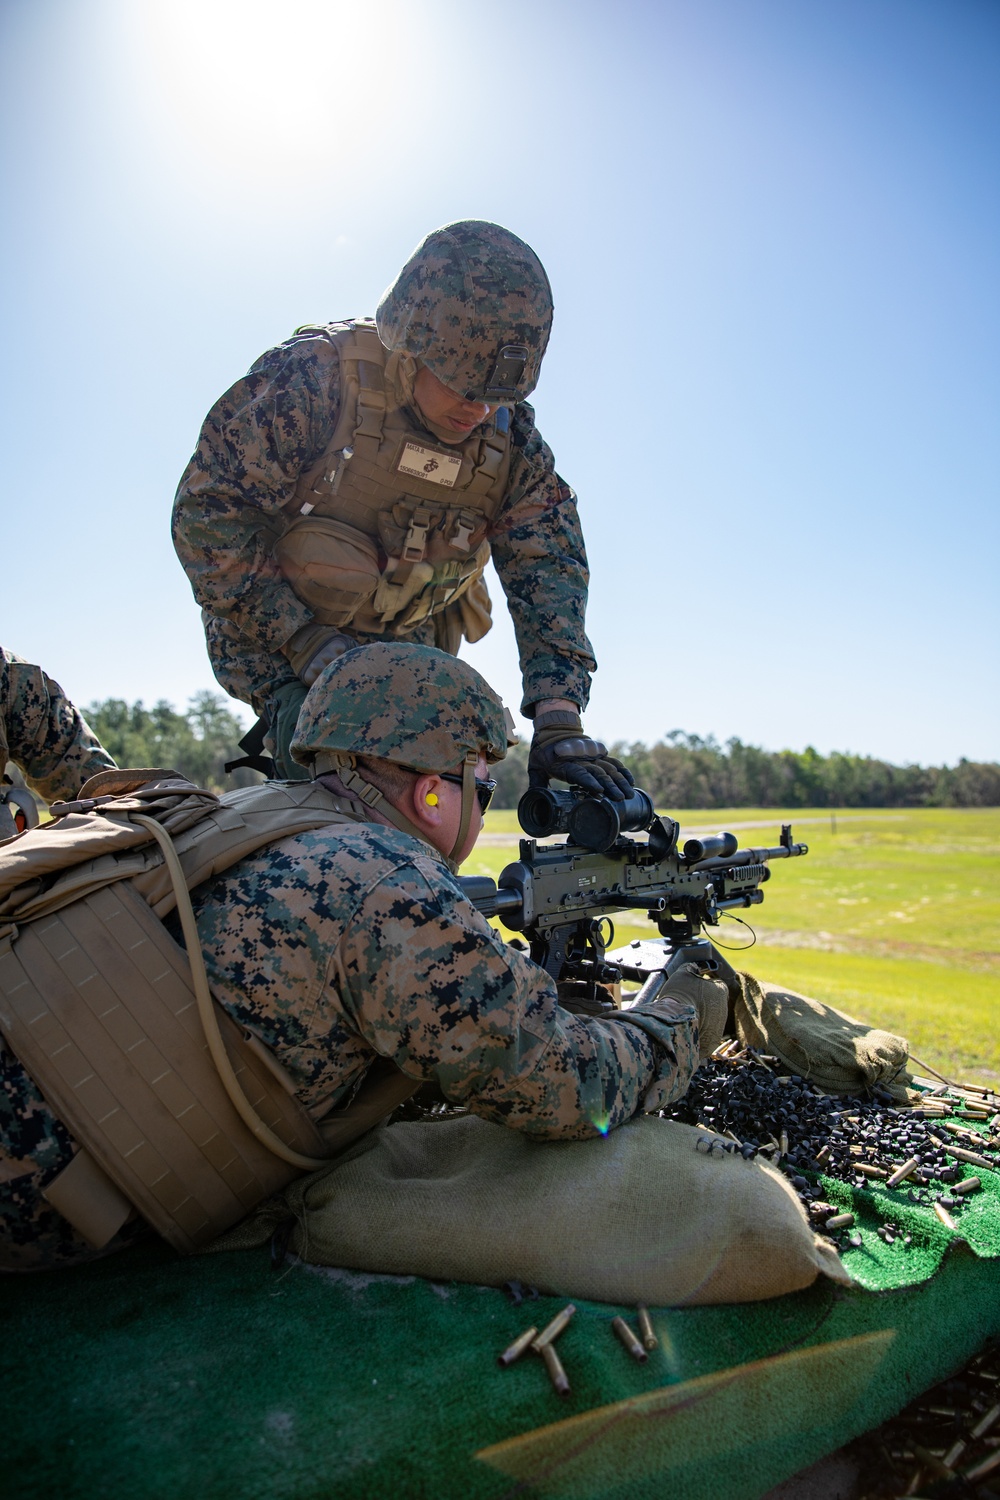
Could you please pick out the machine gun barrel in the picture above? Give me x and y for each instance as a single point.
(752, 857)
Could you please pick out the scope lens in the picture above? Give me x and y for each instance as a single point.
(542, 812)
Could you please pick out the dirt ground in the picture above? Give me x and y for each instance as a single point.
(945, 1444)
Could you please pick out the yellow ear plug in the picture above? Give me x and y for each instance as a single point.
(432, 799)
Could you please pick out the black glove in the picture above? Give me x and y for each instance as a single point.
(584, 998)
(560, 748)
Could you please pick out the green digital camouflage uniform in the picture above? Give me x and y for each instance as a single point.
(337, 947)
(355, 942)
(43, 733)
(271, 426)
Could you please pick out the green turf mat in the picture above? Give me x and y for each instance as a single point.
(882, 1267)
(154, 1377)
(148, 1376)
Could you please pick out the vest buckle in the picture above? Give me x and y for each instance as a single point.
(461, 534)
(415, 543)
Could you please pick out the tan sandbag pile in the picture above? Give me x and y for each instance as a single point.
(839, 1054)
(641, 1215)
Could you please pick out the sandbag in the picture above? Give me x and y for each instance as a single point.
(840, 1054)
(640, 1215)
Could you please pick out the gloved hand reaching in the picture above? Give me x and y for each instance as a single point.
(560, 749)
(314, 647)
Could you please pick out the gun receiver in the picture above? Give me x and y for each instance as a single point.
(559, 894)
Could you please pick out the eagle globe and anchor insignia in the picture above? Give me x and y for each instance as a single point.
(430, 464)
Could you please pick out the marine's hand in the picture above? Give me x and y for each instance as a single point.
(560, 749)
(708, 960)
(710, 998)
(314, 647)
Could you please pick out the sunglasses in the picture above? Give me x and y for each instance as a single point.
(484, 789)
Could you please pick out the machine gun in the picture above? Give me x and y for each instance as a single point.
(559, 895)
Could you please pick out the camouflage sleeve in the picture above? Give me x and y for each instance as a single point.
(255, 442)
(246, 671)
(44, 733)
(429, 984)
(538, 549)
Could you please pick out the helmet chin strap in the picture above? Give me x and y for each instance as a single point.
(468, 799)
(345, 766)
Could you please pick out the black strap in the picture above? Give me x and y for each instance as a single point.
(253, 743)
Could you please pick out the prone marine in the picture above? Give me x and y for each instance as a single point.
(335, 954)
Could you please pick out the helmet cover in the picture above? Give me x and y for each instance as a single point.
(394, 700)
(474, 305)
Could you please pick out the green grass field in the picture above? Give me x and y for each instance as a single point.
(894, 916)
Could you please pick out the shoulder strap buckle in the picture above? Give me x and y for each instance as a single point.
(371, 414)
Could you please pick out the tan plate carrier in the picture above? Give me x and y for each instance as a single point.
(102, 1007)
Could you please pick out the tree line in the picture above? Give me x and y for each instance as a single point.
(197, 743)
(681, 770)
(684, 770)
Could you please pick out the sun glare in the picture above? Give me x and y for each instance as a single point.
(244, 93)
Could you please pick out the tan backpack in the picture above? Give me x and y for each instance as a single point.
(181, 1113)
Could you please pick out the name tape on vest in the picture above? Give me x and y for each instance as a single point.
(430, 464)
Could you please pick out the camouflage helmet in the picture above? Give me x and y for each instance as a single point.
(394, 700)
(473, 304)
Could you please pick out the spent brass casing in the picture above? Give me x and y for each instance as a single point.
(967, 1185)
(985, 1423)
(931, 1461)
(554, 1329)
(973, 1157)
(646, 1331)
(902, 1173)
(553, 1364)
(839, 1221)
(867, 1169)
(980, 1471)
(945, 1217)
(630, 1341)
(520, 1346)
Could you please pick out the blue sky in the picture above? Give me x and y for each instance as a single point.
(773, 232)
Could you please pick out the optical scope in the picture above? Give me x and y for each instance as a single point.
(592, 822)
